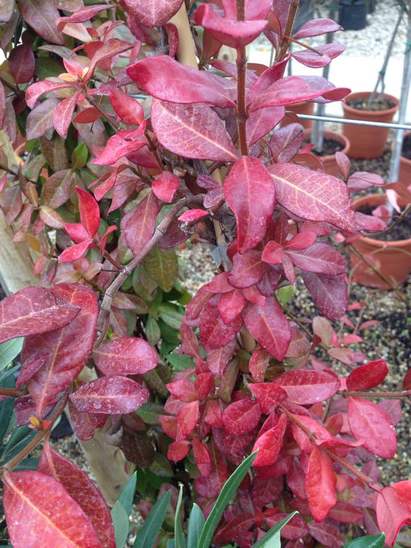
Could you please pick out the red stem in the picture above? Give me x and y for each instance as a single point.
(241, 81)
(396, 395)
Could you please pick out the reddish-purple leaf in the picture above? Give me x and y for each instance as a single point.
(89, 211)
(252, 10)
(85, 424)
(138, 225)
(127, 109)
(368, 375)
(108, 49)
(31, 311)
(119, 145)
(344, 163)
(268, 394)
(269, 326)
(187, 419)
(202, 457)
(319, 58)
(392, 514)
(50, 516)
(312, 195)
(40, 119)
(286, 142)
(152, 13)
(241, 417)
(320, 432)
(110, 396)
(192, 131)
(82, 490)
(258, 364)
(269, 444)
(81, 15)
(231, 32)
(42, 16)
(260, 122)
(64, 351)
(306, 387)
(214, 333)
(320, 258)
(249, 192)
(320, 484)
(178, 450)
(316, 27)
(168, 80)
(326, 533)
(63, 114)
(77, 232)
(346, 513)
(39, 88)
(165, 186)
(370, 425)
(2, 104)
(125, 356)
(231, 305)
(22, 63)
(192, 215)
(75, 252)
(362, 180)
(218, 359)
(329, 293)
(248, 269)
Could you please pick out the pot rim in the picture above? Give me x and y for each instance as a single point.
(339, 137)
(378, 199)
(369, 113)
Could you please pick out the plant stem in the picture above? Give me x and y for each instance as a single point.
(396, 395)
(241, 79)
(10, 392)
(303, 45)
(292, 12)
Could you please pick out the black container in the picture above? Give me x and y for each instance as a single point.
(372, 4)
(352, 14)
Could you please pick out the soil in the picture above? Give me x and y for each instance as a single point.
(329, 147)
(377, 104)
(406, 147)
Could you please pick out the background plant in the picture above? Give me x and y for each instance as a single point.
(103, 187)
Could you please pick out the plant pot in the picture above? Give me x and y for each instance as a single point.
(329, 162)
(405, 166)
(352, 14)
(299, 108)
(366, 141)
(391, 258)
(372, 4)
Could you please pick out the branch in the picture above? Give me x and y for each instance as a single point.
(292, 12)
(396, 395)
(10, 392)
(241, 80)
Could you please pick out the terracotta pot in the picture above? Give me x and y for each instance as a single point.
(366, 141)
(299, 108)
(405, 168)
(329, 163)
(391, 258)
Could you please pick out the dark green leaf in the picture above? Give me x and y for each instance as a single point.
(121, 524)
(369, 541)
(162, 266)
(126, 497)
(152, 330)
(10, 350)
(226, 495)
(80, 156)
(179, 361)
(170, 315)
(19, 439)
(148, 534)
(195, 524)
(6, 408)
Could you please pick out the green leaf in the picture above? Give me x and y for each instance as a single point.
(19, 439)
(148, 534)
(227, 493)
(179, 538)
(285, 294)
(162, 266)
(179, 361)
(126, 497)
(369, 541)
(10, 350)
(272, 539)
(170, 315)
(80, 156)
(149, 413)
(121, 524)
(6, 408)
(152, 330)
(195, 524)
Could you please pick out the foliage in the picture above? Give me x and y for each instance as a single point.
(113, 155)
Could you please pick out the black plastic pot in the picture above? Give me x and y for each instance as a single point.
(352, 14)
(372, 4)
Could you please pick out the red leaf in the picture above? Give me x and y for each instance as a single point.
(312, 195)
(127, 109)
(31, 311)
(362, 180)
(231, 305)
(77, 232)
(192, 215)
(249, 192)
(320, 484)
(269, 444)
(165, 186)
(82, 490)
(152, 13)
(316, 27)
(42, 16)
(22, 63)
(192, 131)
(247, 270)
(321, 434)
(403, 490)
(89, 211)
(370, 425)
(110, 396)
(168, 80)
(81, 15)
(231, 32)
(329, 293)
(286, 142)
(344, 163)
(106, 52)
(218, 359)
(268, 394)
(241, 417)
(259, 361)
(306, 387)
(119, 145)
(367, 376)
(202, 457)
(319, 258)
(260, 122)
(75, 252)
(187, 419)
(64, 351)
(39, 88)
(214, 333)
(139, 224)
(125, 356)
(85, 424)
(87, 116)
(346, 513)
(50, 516)
(269, 326)
(178, 450)
(63, 114)
(319, 58)
(406, 383)
(392, 514)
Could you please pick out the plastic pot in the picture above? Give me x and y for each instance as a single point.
(391, 258)
(299, 108)
(352, 14)
(329, 162)
(405, 168)
(366, 141)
